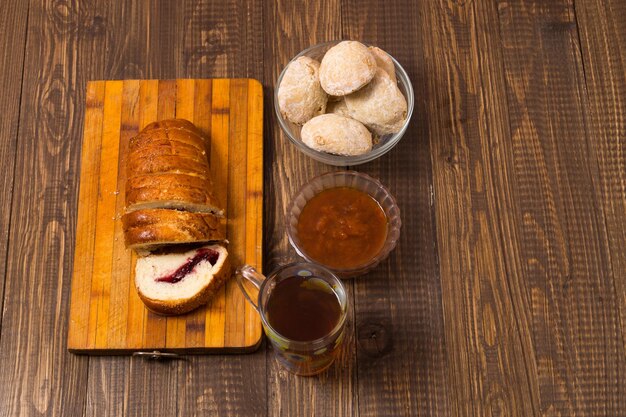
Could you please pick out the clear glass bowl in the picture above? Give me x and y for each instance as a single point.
(385, 143)
(361, 182)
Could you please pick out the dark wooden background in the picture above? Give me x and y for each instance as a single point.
(507, 292)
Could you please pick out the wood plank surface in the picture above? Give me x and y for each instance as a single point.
(13, 24)
(107, 388)
(94, 116)
(222, 40)
(488, 346)
(107, 267)
(302, 24)
(603, 41)
(563, 244)
(507, 292)
(40, 377)
(395, 330)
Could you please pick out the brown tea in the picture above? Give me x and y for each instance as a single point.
(303, 308)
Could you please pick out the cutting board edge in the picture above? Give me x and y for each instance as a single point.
(174, 79)
(243, 349)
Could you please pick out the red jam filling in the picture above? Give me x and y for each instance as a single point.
(203, 254)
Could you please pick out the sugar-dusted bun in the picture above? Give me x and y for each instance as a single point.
(346, 67)
(165, 292)
(152, 228)
(300, 95)
(384, 62)
(336, 134)
(380, 105)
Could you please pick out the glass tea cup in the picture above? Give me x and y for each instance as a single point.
(297, 286)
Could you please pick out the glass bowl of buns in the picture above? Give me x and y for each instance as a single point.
(344, 102)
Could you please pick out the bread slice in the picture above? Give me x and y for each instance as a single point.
(179, 191)
(165, 163)
(150, 229)
(180, 281)
(171, 148)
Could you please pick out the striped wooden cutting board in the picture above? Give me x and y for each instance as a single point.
(106, 314)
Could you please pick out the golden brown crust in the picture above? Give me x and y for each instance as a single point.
(181, 198)
(167, 167)
(164, 163)
(154, 216)
(181, 306)
(160, 135)
(146, 229)
(168, 180)
(170, 148)
(174, 124)
(169, 187)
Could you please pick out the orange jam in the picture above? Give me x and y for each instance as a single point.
(342, 228)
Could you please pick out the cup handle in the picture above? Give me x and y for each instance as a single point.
(251, 275)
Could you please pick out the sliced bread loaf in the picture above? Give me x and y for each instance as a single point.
(177, 282)
(167, 167)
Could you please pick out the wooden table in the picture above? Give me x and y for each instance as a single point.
(507, 292)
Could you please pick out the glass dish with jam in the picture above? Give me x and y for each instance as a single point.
(346, 221)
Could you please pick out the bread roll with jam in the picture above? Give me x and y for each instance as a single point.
(172, 211)
(178, 281)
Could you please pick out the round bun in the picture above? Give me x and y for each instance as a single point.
(384, 62)
(346, 67)
(300, 95)
(379, 105)
(337, 134)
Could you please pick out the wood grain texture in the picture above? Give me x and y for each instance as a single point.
(13, 21)
(565, 253)
(107, 393)
(38, 375)
(94, 116)
(512, 170)
(128, 31)
(400, 344)
(487, 341)
(222, 386)
(224, 39)
(105, 264)
(152, 388)
(602, 35)
(301, 24)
